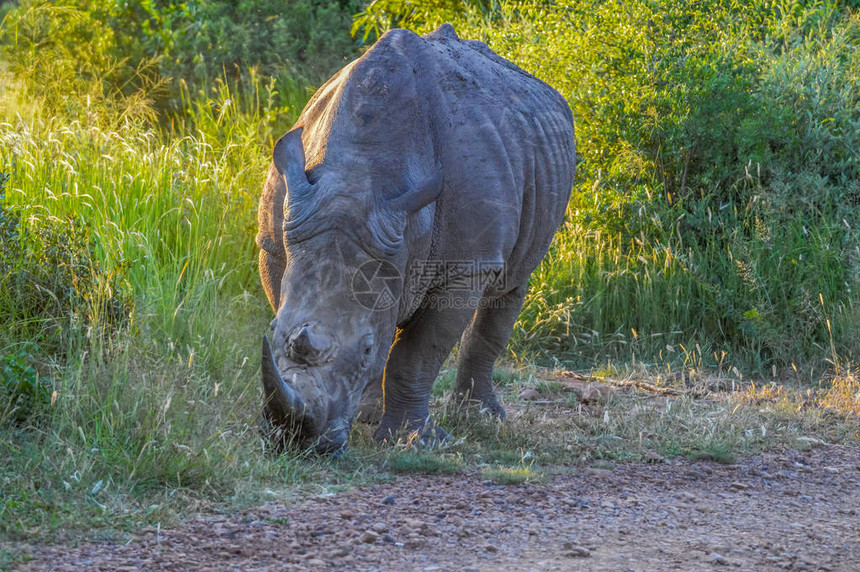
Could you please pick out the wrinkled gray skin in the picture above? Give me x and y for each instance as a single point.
(424, 149)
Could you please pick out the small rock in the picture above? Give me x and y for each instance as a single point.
(574, 551)
(316, 562)
(388, 500)
(534, 530)
(340, 552)
(738, 486)
(379, 527)
(575, 502)
(718, 558)
(491, 548)
(529, 395)
(388, 539)
(594, 472)
(589, 393)
(597, 393)
(368, 537)
(347, 514)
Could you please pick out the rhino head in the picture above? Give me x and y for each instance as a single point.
(339, 296)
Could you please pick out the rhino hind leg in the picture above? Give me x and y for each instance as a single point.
(483, 342)
(418, 352)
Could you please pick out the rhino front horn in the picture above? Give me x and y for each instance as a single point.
(284, 406)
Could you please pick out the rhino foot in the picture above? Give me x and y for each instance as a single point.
(426, 434)
(486, 406)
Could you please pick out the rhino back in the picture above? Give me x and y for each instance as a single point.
(504, 140)
(509, 154)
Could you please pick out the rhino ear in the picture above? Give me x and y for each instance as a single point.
(289, 159)
(422, 195)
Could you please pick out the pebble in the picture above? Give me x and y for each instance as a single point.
(529, 395)
(718, 558)
(573, 551)
(388, 500)
(738, 486)
(340, 552)
(368, 537)
(596, 393)
(379, 527)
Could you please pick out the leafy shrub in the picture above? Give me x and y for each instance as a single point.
(22, 395)
(199, 40)
(51, 282)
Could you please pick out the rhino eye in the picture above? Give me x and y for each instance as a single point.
(366, 348)
(367, 343)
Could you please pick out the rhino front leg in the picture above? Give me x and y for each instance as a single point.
(418, 352)
(482, 344)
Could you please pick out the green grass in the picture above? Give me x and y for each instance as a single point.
(427, 463)
(523, 474)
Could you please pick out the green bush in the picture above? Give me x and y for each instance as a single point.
(22, 395)
(200, 40)
(50, 282)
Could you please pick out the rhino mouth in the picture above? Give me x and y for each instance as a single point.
(294, 417)
(284, 406)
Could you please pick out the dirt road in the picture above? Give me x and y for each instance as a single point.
(785, 511)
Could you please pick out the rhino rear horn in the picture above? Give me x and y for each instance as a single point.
(289, 159)
(422, 195)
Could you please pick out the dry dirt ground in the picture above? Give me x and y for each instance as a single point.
(779, 511)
